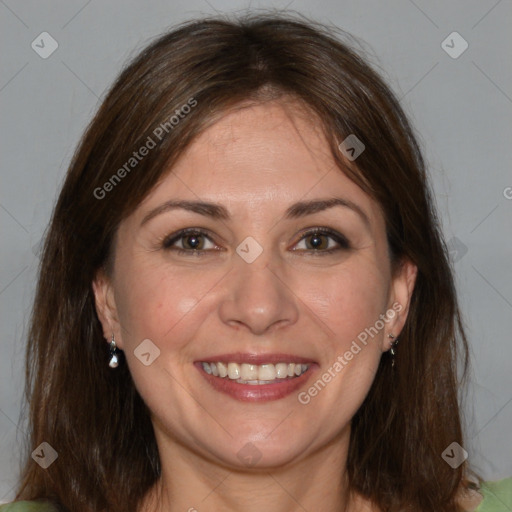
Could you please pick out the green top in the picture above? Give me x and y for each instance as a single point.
(27, 506)
(497, 498)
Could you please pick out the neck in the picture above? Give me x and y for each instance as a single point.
(190, 482)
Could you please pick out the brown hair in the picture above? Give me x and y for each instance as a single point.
(93, 416)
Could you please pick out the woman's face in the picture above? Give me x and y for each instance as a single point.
(271, 278)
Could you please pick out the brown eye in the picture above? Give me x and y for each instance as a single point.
(194, 242)
(319, 240)
(191, 240)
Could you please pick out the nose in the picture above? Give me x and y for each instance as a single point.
(258, 298)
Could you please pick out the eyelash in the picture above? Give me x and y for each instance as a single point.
(337, 237)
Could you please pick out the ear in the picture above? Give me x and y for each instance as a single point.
(402, 287)
(106, 307)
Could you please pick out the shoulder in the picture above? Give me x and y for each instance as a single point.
(27, 506)
(497, 496)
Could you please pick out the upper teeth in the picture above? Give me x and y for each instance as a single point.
(254, 372)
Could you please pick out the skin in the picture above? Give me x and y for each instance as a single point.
(256, 161)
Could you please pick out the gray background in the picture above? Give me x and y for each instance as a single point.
(461, 107)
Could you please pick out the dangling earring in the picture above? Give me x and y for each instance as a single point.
(114, 361)
(392, 349)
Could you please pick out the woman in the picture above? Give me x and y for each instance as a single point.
(245, 301)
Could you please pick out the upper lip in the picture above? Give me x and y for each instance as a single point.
(252, 358)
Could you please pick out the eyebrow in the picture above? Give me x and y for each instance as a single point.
(295, 211)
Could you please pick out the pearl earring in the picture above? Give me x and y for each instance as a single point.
(114, 361)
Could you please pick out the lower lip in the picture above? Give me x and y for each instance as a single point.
(260, 392)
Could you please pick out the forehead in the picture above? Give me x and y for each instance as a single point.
(264, 155)
(276, 140)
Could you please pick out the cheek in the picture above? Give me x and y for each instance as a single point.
(153, 300)
(158, 304)
(348, 307)
(162, 302)
(347, 301)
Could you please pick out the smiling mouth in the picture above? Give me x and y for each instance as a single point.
(255, 374)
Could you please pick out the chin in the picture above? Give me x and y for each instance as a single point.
(259, 453)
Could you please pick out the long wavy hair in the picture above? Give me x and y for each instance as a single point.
(93, 416)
